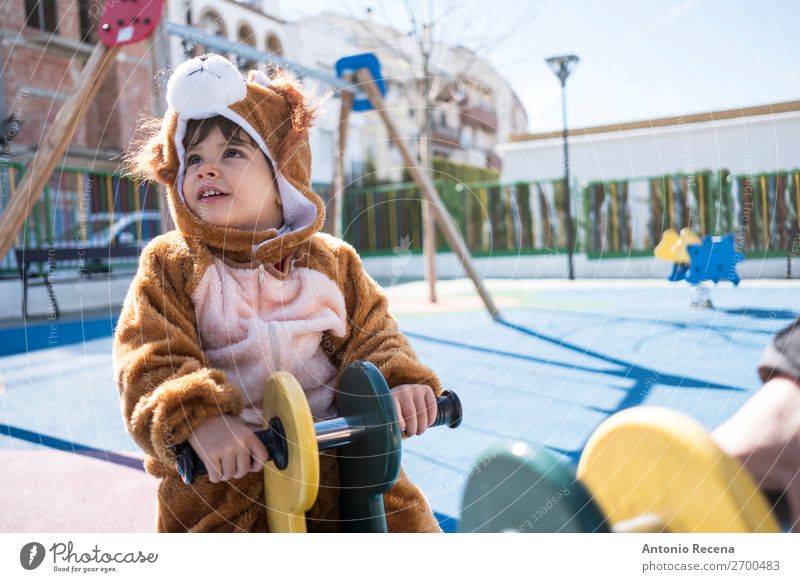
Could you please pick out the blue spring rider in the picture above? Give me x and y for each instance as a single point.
(695, 260)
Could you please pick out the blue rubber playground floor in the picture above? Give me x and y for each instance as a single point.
(564, 358)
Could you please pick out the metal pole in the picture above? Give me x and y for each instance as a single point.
(567, 196)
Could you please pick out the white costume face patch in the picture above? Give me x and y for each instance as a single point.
(205, 83)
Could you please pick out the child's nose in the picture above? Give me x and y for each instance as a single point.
(207, 169)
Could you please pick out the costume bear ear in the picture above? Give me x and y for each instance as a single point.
(162, 171)
(301, 116)
(255, 76)
(148, 159)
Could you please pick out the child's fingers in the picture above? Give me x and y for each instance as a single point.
(401, 421)
(430, 404)
(228, 466)
(421, 412)
(243, 463)
(259, 455)
(410, 414)
(214, 470)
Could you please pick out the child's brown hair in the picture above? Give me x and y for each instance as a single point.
(198, 129)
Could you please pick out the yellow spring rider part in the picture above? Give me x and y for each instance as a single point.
(291, 491)
(654, 469)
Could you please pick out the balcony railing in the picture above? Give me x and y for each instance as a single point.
(483, 119)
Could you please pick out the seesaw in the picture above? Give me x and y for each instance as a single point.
(645, 469)
(366, 435)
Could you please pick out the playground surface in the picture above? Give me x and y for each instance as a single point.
(564, 358)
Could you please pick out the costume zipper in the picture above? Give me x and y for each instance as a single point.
(276, 348)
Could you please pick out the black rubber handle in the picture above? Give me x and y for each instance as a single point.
(189, 465)
(448, 410)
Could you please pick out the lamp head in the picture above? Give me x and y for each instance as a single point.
(562, 66)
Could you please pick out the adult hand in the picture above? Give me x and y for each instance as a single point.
(764, 435)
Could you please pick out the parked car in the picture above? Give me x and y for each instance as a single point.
(130, 229)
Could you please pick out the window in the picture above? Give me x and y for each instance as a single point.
(41, 15)
(88, 17)
(246, 35)
(274, 45)
(246, 38)
(212, 23)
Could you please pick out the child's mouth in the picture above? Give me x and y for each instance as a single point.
(212, 195)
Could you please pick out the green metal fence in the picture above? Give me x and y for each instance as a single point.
(492, 217)
(81, 208)
(621, 217)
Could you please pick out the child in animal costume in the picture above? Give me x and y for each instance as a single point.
(248, 285)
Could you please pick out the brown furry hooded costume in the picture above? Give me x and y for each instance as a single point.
(208, 316)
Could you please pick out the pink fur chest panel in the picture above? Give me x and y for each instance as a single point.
(252, 324)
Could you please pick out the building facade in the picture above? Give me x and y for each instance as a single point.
(472, 107)
(252, 23)
(44, 46)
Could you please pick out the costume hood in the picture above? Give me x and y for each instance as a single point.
(276, 116)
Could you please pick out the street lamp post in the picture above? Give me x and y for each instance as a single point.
(562, 66)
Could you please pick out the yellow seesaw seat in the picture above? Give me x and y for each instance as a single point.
(290, 492)
(660, 465)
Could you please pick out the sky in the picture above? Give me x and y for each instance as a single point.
(639, 59)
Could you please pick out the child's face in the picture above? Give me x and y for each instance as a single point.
(247, 195)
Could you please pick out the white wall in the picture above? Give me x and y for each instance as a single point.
(749, 145)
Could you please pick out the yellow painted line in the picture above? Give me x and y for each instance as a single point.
(797, 193)
(110, 199)
(703, 230)
(671, 201)
(765, 221)
(615, 216)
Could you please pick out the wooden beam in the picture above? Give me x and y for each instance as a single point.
(423, 181)
(54, 143)
(337, 191)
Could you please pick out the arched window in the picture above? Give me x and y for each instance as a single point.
(245, 36)
(212, 23)
(274, 45)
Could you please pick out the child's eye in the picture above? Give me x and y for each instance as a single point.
(192, 160)
(234, 152)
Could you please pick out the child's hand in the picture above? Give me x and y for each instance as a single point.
(228, 447)
(764, 435)
(416, 407)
